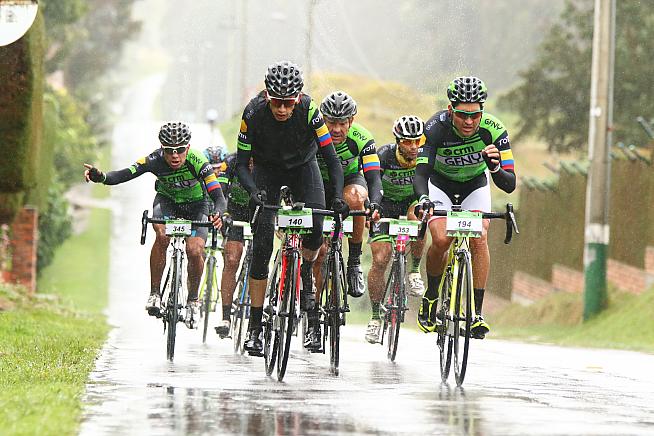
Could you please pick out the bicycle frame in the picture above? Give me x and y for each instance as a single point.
(292, 243)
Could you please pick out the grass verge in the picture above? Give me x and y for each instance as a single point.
(625, 324)
(49, 342)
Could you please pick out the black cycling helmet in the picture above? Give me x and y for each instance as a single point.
(172, 134)
(284, 79)
(467, 89)
(215, 154)
(338, 106)
(408, 127)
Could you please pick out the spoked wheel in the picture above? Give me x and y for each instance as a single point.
(334, 315)
(238, 317)
(270, 335)
(172, 310)
(445, 340)
(396, 312)
(463, 309)
(287, 315)
(208, 293)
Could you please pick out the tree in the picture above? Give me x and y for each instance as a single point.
(554, 92)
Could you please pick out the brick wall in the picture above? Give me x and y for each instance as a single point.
(527, 288)
(649, 260)
(626, 277)
(24, 240)
(567, 279)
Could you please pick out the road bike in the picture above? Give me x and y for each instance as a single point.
(241, 304)
(333, 296)
(394, 306)
(209, 291)
(454, 315)
(174, 287)
(282, 311)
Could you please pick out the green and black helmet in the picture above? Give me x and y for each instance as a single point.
(467, 89)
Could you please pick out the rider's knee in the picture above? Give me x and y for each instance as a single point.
(381, 257)
(440, 243)
(232, 259)
(195, 251)
(355, 196)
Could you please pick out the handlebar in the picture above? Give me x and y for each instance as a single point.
(145, 219)
(508, 216)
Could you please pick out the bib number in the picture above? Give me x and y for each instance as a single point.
(178, 228)
(294, 219)
(464, 224)
(398, 228)
(329, 223)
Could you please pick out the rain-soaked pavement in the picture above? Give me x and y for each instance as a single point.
(510, 389)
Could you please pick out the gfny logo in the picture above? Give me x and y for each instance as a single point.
(460, 156)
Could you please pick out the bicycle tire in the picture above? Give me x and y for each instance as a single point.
(208, 292)
(397, 308)
(335, 314)
(445, 340)
(270, 336)
(173, 306)
(239, 312)
(287, 315)
(464, 301)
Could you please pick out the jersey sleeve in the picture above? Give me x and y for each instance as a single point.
(318, 124)
(424, 165)
(141, 166)
(371, 169)
(244, 153)
(206, 175)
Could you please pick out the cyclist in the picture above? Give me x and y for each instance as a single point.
(237, 208)
(282, 129)
(464, 148)
(216, 157)
(398, 168)
(355, 147)
(183, 175)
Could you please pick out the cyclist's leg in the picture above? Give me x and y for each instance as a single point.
(355, 193)
(307, 186)
(318, 263)
(416, 285)
(232, 259)
(262, 246)
(381, 254)
(479, 200)
(160, 207)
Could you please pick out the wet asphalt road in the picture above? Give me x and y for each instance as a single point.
(510, 389)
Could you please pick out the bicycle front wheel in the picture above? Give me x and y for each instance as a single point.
(173, 305)
(445, 339)
(396, 310)
(287, 314)
(242, 304)
(335, 313)
(208, 293)
(270, 319)
(463, 311)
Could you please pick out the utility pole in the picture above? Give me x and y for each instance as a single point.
(599, 147)
(308, 68)
(244, 50)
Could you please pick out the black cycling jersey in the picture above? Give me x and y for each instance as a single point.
(284, 145)
(187, 184)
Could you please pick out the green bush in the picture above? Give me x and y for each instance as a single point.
(55, 225)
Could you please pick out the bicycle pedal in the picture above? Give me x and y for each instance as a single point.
(255, 354)
(345, 308)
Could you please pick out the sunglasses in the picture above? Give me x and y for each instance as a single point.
(474, 115)
(170, 150)
(277, 102)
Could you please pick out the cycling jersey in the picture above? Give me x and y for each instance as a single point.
(232, 188)
(448, 157)
(358, 153)
(187, 184)
(397, 181)
(284, 145)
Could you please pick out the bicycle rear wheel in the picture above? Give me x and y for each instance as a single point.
(287, 315)
(270, 335)
(396, 312)
(208, 293)
(173, 306)
(445, 340)
(242, 305)
(335, 314)
(463, 311)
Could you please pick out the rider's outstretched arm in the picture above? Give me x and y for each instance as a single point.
(503, 175)
(243, 155)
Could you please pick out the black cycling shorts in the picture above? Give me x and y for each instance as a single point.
(305, 183)
(239, 212)
(164, 207)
